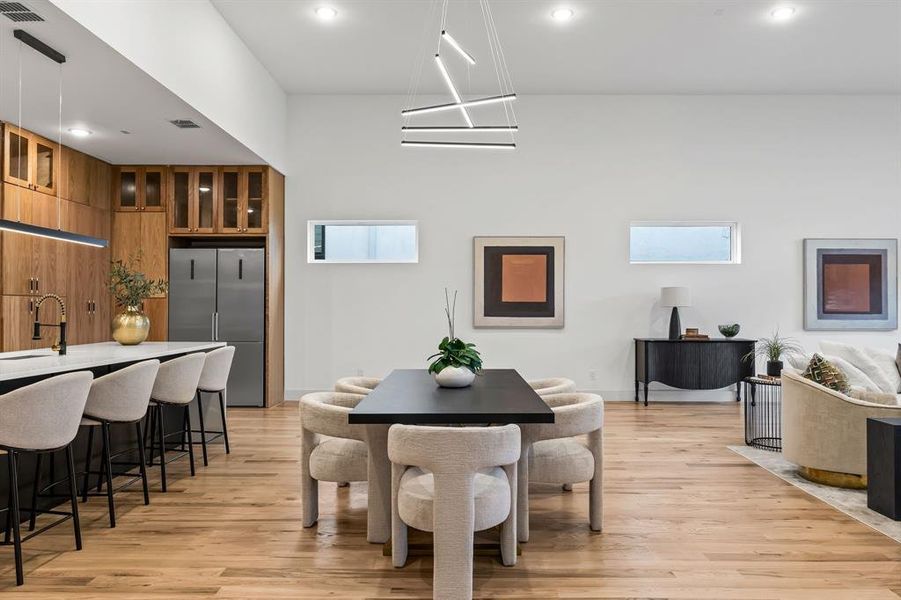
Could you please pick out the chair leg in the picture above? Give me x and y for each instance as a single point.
(35, 490)
(224, 422)
(108, 467)
(87, 465)
(522, 497)
(73, 496)
(161, 430)
(454, 519)
(151, 431)
(14, 510)
(187, 432)
(509, 532)
(9, 512)
(596, 485)
(399, 547)
(103, 450)
(202, 428)
(142, 460)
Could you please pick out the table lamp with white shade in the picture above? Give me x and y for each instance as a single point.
(675, 297)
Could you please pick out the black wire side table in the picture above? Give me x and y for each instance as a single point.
(763, 413)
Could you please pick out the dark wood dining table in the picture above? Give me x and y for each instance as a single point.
(411, 397)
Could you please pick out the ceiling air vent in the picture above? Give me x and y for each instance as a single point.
(185, 124)
(18, 12)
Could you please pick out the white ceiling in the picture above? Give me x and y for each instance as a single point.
(105, 93)
(611, 46)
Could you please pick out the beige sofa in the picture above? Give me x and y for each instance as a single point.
(824, 432)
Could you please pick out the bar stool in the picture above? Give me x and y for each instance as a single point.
(41, 418)
(213, 380)
(122, 397)
(175, 385)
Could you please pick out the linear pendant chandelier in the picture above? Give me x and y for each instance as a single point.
(16, 225)
(466, 135)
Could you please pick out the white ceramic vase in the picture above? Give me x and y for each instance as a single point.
(454, 377)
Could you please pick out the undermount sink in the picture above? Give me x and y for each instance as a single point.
(24, 356)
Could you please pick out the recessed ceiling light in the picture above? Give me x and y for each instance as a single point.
(783, 13)
(79, 132)
(204, 188)
(562, 14)
(326, 13)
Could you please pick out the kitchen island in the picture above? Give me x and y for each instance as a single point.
(18, 369)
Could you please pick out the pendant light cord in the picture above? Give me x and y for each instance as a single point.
(19, 138)
(59, 154)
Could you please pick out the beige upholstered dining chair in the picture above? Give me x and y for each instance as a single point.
(453, 481)
(554, 385)
(356, 385)
(551, 453)
(331, 450)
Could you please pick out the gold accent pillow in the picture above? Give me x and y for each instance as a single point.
(821, 371)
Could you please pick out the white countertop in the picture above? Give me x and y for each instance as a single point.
(85, 356)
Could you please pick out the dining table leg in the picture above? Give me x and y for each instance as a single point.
(378, 524)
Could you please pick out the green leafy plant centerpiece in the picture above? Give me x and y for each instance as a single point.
(130, 288)
(456, 362)
(773, 349)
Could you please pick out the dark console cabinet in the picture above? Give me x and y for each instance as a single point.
(692, 364)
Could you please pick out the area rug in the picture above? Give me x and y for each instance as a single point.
(851, 502)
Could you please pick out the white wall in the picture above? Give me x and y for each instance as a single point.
(785, 167)
(189, 48)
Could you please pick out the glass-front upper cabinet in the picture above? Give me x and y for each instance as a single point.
(243, 206)
(140, 188)
(30, 160)
(206, 192)
(232, 200)
(180, 218)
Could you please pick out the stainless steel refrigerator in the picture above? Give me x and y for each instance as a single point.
(219, 294)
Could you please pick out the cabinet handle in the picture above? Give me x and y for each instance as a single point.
(30, 306)
(37, 284)
(30, 284)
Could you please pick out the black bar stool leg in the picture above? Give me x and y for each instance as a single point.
(151, 432)
(162, 440)
(187, 432)
(108, 468)
(9, 512)
(143, 462)
(35, 490)
(224, 426)
(87, 465)
(202, 428)
(73, 496)
(103, 452)
(14, 509)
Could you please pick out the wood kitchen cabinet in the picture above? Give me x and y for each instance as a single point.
(88, 310)
(140, 189)
(85, 179)
(243, 206)
(33, 265)
(194, 200)
(29, 160)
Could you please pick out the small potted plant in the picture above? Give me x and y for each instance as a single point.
(130, 288)
(456, 362)
(773, 349)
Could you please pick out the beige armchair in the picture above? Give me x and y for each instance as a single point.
(824, 432)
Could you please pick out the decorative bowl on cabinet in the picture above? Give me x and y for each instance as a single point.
(131, 326)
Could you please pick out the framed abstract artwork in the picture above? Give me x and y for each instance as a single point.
(851, 284)
(518, 281)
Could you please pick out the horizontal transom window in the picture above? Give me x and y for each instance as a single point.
(362, 242)
(684, 242)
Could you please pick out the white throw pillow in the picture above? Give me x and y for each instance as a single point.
(856, 377)
(886, 362)
(799, 362)
(859, 359)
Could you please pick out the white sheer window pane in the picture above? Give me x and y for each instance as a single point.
(356, 241)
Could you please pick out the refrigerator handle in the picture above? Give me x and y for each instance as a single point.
(240, 268)
(213, 326)
(192, 268)
(216, 327)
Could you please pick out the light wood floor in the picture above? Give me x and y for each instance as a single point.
(684, 518)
